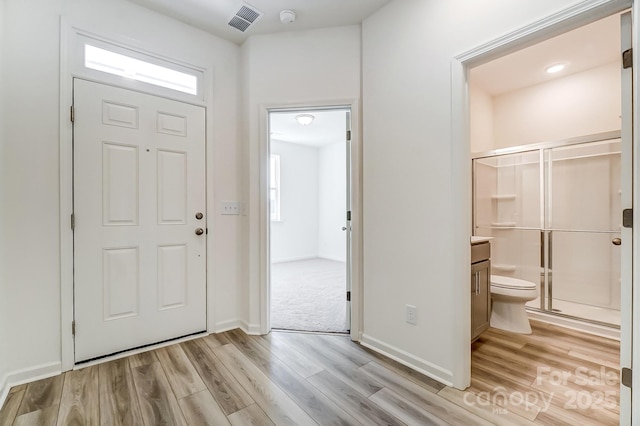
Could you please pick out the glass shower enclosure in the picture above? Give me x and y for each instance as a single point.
(554, 212)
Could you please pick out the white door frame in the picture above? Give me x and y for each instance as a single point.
(356, 210)
(581, 14)
(70, 67)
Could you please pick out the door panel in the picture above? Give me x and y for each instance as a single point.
(139, 173)
(120, 184)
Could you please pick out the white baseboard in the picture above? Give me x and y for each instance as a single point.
(223, 326)
(251, 329)
(293, 259)
(335, 259)
(425, 367)
(27, 375)
(4, 390)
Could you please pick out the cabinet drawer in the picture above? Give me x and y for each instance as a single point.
(480, 252)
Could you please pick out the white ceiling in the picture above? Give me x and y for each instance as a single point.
(329, 126)
(581, 49)
(213, 15)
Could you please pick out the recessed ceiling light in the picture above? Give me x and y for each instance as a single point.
(555, 68)
(304, 119)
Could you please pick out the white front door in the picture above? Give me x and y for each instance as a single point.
(140, 219)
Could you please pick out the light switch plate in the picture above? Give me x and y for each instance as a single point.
(230, 208)
(411, 314)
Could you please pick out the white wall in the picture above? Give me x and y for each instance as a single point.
(332, 202)
(480, 119)
(306, 67)
(295, 236)
(31, 160)
(579, 104)
(313, 194)
(409, 255)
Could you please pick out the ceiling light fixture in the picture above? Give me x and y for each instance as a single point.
(304, 119)
(555, 68)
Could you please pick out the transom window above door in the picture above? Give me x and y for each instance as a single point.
(110, 62)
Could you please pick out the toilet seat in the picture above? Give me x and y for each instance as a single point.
(511, 283)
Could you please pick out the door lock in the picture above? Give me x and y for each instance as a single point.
(199, 215)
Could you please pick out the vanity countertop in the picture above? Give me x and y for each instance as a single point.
(479, 240)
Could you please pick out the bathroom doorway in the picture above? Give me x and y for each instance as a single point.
(550, 138)
(310, 230)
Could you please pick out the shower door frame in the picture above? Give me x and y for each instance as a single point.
(546, 285)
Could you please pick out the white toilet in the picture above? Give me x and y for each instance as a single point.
(508, 297)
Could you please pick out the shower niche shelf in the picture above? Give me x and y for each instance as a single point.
(503, 197)
(505, 225)
(501, 267)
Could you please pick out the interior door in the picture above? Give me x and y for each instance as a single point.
(348, 217)
(626, 248)
(140, 220)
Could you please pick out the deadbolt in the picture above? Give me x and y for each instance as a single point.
(616, 241)
(199, 215)
(199, 231)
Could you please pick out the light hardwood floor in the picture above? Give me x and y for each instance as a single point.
(299, 379)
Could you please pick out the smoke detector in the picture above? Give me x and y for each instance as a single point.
(287, 17)
(245, 17)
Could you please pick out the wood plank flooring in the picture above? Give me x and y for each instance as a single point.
(553, 377)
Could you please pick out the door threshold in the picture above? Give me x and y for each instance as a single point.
(138, 350)
(328, 333)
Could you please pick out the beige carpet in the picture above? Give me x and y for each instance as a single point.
(309, 295)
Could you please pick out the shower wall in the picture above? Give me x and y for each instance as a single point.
(507, 207)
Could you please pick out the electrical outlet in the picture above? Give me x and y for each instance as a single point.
(230, 207)
(411, 314)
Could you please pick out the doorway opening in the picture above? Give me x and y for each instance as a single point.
(551, 174)
(309, 209)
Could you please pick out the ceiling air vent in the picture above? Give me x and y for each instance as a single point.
(244, 18)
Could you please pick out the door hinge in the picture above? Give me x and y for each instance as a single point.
(73, 328)
(348, 135)
(73, 222)
(72, 114)
(627, 58)
(349, 215)
(627, 218)
(626, 377)
(348, 296)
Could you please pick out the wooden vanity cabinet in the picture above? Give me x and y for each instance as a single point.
(480, 288)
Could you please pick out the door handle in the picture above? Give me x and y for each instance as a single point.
(344, 228)
(616, 241)
(199, 231)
